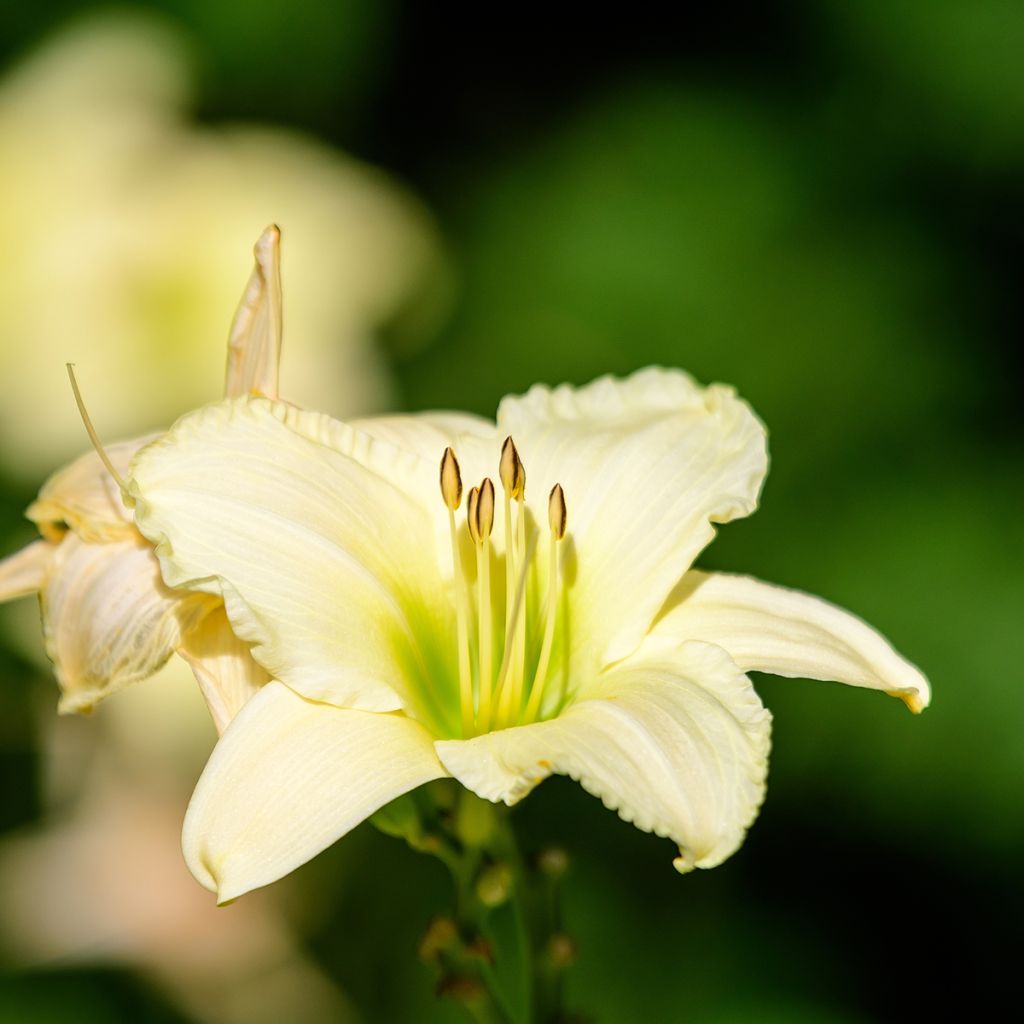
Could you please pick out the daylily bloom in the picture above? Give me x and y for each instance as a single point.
(556, 627)
(108, 618)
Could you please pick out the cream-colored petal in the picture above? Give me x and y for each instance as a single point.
(288, 778)
(225, 670)
(83, 497)
(474, 440)
(324, 566)
(773, 629)
(254, 344)
(647, 464)
(676, 742)
(108, 619)
(23, 572)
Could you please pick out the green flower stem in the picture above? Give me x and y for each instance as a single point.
(477, 843)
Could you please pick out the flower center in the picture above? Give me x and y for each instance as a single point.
(495, 696)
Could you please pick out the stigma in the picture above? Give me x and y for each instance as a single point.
(510, 689)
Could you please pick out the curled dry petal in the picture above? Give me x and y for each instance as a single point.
(108, 618)
(83, 497)
(254, 344)
(23, 572)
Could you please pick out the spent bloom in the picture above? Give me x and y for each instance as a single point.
(440, 595)
(108, 618)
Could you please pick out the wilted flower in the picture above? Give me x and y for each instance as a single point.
(108, 618)
(556, 629)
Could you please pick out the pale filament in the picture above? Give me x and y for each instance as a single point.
(451, 493)
(556, 516)
(487, 701)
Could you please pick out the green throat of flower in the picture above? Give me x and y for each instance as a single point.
(496, 694)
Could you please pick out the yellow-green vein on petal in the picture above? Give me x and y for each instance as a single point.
(323, 565)
(675, 741)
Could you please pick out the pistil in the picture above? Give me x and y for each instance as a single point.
(91, 431)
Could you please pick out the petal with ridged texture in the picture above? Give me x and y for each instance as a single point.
(83, 496)
(23, 572)
(647, 464)
(225, 670)
(108, 619)
(321, 562)
(676, 741)
(773, 629)
(288, 778)
(254, 343)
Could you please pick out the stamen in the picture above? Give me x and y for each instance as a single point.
(472, 503)
(556, 521)
(451, 492)
(511, 470)
(91, 431)
(482, 522)
(513, 482)
(502, 691)
(519, 664)
(451, 480)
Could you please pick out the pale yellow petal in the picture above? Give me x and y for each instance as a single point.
(677, 742)
(647, 464)
(474, 440)
(773, 629)
(108, 619)
(23, 572)
(288, 778)
(254, 344)
(225, 670)
(323, 565)
(83, 497)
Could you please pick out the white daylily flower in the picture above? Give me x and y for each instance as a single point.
(108, 618)
(559, 630)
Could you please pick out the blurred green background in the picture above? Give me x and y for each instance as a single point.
(819, 203)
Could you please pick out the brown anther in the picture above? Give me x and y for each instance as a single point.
(485, 510)
(512, 471)
(472, 513)
(451, 480)
(556, 511)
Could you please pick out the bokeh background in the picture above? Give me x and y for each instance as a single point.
(820, 203)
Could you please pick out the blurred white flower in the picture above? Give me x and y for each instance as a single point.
(125, 227)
